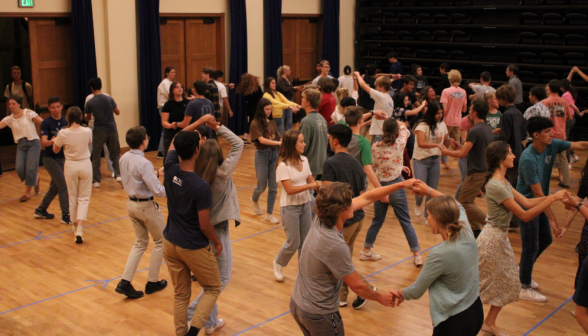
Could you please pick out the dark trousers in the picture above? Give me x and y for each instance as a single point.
(54, 167)
(98, 141)
(582, 249)
(535, 237)
(318, 324)
(467, 323)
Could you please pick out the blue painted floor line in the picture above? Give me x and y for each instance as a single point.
(547, 317)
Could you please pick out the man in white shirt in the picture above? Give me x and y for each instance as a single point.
(162, 97)
(16, 89)
(480, 89)
(223, 94)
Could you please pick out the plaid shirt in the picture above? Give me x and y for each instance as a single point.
(212, 95)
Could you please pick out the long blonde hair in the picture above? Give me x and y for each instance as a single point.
(446, 212)
(209, 160)
(282, 69)
(341, 93)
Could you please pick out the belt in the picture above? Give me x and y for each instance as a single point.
(134, 199)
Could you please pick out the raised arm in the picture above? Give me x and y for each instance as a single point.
(371, 196)
(205, 119)
(361, 82)
(232, 160)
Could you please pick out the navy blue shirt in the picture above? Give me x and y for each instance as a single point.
(396, 69)
(50, 127)
(187, 194)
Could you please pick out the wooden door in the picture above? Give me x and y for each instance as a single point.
(173, 48)
(289, 49)
(51, 60)
(201, 47)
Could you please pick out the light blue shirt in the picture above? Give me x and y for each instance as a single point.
(138, 177)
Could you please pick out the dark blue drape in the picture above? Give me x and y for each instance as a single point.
(331, 34)
(149, 68)
(238, 123)
(84, 57)
(273, 37)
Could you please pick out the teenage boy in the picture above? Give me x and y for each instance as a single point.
(512, 70)
(478, 139)
(535, 168)
(141, 183)
(212, 92)
(454, 102)
(187, 236)
(198, 107)
(383, 102)
(538, 109)
(54, 163)
(480, 89)
(342, 167)
(395, 68)
(314, 129)
(560, 111)
(222, 92)
(444, 83)
(19, 88)
(102, 107)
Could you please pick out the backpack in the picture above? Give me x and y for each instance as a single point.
(24, 90)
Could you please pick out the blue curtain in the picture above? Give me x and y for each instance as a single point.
(273, 37)
(149, 68)
(331, 34)
(84, 57)
(238, 123)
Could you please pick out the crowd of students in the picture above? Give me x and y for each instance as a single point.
(319, 153)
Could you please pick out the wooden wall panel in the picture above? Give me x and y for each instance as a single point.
(173, 48)
(201, 47)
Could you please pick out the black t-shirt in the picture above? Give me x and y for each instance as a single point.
(343, 167)
(421, 82)
(176, 110)
(50, 127)
(413, 99)
(187, 194)
(581, 294)
(365, 100)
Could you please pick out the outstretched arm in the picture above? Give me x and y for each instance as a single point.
(371, 196)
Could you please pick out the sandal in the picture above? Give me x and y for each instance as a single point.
(37, 186)
(492, 331)
(24, 198)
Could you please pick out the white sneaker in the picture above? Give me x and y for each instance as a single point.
(417, 210)
(371, 256)
(272, 219)
(256, 208)
(119, 180)
(569, 166)
(96, 184)
(210, 330)
(574, 159)
(112, 175)
(278, 272)
(342, 303)
(530, 294)
(79, 233)
(418, 261)
(534, 284)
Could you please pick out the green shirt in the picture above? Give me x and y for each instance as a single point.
(493, 120)
(360, 149)
(314, 129)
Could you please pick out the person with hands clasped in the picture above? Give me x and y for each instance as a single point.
(325, 261)
(294, 173)
(450, 272)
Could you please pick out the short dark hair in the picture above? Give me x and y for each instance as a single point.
(342, 133)
(135, 136)
(186, 143)
(485, 76)
(353, 115)
(506, 93)
(408, 79)
(392, 54)
(347, 101)
(168, 69)
(371, 69)
(74, 115)
(347, 70)
(53, 99)
(445, 66)
(200, 86)
(538, 124)
(208, 70)
(95, 83)
(514, 68)
(554, 85)
(481, 108)
(218, 74)
(17, 99)
(326, 84)
(539, 92)
(203, 130)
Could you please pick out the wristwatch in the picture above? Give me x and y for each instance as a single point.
(578, 206)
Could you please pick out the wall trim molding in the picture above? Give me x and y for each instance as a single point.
(190, 15)
(34, 15)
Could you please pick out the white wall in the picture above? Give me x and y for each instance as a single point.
(302, 6)
(255, 37)
(346, 34)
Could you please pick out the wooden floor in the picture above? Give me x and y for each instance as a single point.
(51, 286)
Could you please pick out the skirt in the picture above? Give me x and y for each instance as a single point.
(499, 278)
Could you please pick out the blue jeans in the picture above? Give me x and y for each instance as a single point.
(400, 205)
(297, 220)
(463, 170)
(280, 123)
(225, 267)
(535, 237)
(27, 160)
(160, 147)
(265, 169)
(427, 170)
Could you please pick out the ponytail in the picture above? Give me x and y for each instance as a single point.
(446, 212)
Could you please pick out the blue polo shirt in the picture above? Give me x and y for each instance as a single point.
(50, 127)
(535, 167)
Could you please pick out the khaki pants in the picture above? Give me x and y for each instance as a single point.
(180, 262)
(78, 178)
(454, 133)
(561, 162)
(467, 197)
(146, 218)
(350, 234)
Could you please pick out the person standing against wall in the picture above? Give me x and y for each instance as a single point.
(19, 88)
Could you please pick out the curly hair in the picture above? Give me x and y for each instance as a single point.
(331, 201)
(248, 84)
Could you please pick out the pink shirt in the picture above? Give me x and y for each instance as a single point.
(559, 109)
(454, 98)
(465, 124)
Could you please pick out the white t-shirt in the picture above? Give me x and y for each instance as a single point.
(382, 102)
(440, 132)
(346, 82)
(163, 92)
(337, 115)
(17, 91)
(75, 143)
(315, 81)
(481, 90)
(222, 92)
(297, 178)
(23, 127)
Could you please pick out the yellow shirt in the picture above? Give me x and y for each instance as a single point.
(279, 103)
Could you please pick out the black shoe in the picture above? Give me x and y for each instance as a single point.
(43, 214)
(124, 287)
(159, 155)
(563, 186)
(152, 287)
(193, 277)
(65, 219)
(359, 301)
